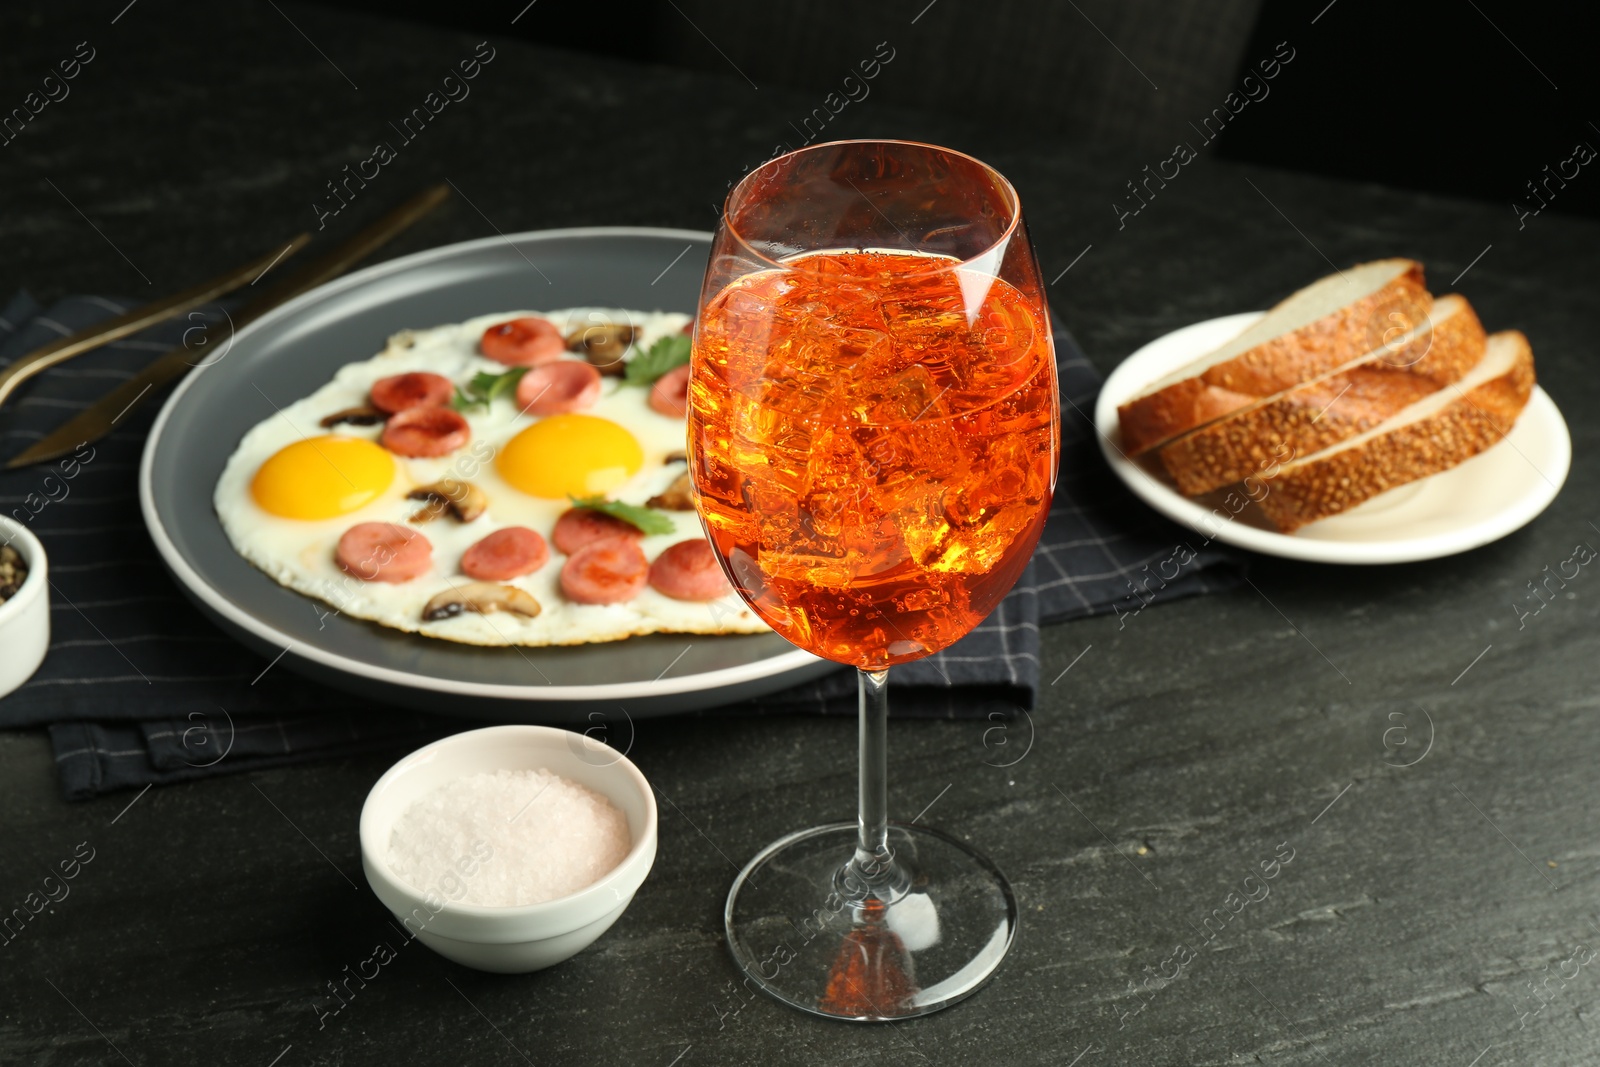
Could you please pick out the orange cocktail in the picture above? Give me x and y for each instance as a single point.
(874, 434)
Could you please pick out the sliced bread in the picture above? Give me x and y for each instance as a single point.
(1319, 328)
(1322, 412)
(1434, 434)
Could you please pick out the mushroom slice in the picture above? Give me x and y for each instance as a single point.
(676, 457)
(481, 597)
(449, 497)
(679, 496)
(360, 415)
(13, 572)
(604, 345)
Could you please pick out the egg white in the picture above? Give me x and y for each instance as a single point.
(300, 553)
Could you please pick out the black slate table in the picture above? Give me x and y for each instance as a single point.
(1440, 898)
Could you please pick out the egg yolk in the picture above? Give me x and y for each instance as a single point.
(570, 455)
(322, 477)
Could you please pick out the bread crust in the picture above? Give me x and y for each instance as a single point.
(1275, 365)
(1316, 488)
(1318, 414)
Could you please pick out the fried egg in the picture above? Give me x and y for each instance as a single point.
(569, 455)
(322, 477)
(292, 488)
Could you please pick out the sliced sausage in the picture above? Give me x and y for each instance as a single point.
(553, 388)
(606, 572)
(670, 394)
(422, 432)
(581, 526)
(384, 552)
(508, 553)
(418, 389)
(689, 571)
(523, 342)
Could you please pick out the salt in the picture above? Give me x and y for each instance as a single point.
(506, 838)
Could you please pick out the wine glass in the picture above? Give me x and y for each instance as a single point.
(874, 433)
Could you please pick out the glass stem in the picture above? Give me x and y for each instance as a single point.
(873, 856)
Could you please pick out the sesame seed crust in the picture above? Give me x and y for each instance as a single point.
(1319, 414)
(1318, 487)
(1277, 364)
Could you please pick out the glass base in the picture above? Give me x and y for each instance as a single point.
(807, 927)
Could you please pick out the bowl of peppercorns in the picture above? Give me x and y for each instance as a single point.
(24, 607)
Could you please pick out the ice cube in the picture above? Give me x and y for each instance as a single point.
(858, 350)
(925, 327)
(904, 396)
(796, 394)
(834, 460)
(998, 501)
(817, 569)
(996, 355)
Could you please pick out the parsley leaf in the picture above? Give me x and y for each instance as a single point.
(486, 386)
(666, 354)
(651, 522)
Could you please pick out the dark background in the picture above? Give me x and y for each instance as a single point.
(1466, 97)
(1430, 899)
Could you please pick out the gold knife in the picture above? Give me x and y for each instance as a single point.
(97, 420)
(101, 333)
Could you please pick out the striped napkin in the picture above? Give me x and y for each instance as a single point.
(139, 687)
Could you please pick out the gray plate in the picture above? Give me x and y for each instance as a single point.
(297, 348)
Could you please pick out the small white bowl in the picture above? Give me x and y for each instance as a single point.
(25, 618)
(526, 937)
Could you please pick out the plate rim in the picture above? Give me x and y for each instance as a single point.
(1168, 502)
(216, 601)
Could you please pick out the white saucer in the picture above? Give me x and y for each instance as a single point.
(1482, 500)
